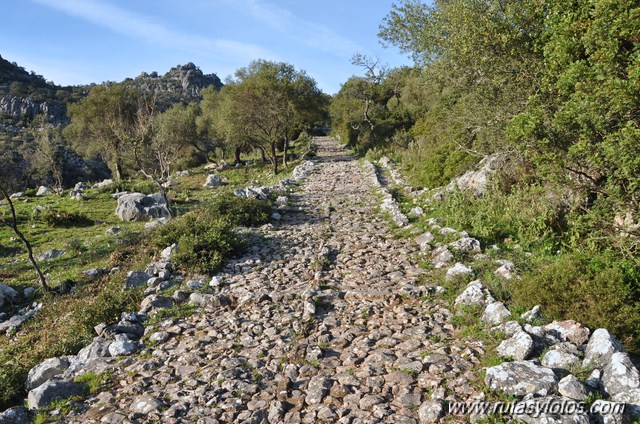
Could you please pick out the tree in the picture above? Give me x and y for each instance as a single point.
(215, 122)
(584, 123)
(481, 59)
(101, 122)
(367, 110)
(48, 158)
(7, 182)
(267, 102)
(158, 140)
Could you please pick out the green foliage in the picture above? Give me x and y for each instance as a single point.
(239, 211)
(204, 241)
(596, 289)
(582, 125)
(556, 86)
(265, 106)
(432, 164)
(102, 122)
(96, 382)
(529, 215)
(54, 217)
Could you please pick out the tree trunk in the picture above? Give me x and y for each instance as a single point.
(14, 226)
(43, 280)
(163, 192)
(118, 169)
(285, 157)
(274, 155)
(237, 155)
(263, 157)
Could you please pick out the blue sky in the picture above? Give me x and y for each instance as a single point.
(83, 41)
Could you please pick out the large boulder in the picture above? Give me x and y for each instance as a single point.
(620, 375)
(53, 390)
(136, 279)
(140, 207)
(46, 370)
(16, 415)
(213, 181)
(50, 254)
(478, 180)
(520, 378)
(43, 191)
(602, 345)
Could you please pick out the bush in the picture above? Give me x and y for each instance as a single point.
(238, 211)
(52, 217)
(434, 164)
(204, 240)
(598, 290)
(531, 216)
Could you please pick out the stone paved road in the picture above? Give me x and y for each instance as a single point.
(324, 320)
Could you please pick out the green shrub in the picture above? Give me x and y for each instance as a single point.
(528, 215)
(597, 289)
(204, 240)
(53, 217)
(433, 165)
(238, 211)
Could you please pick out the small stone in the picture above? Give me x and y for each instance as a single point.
(318, 388)
(569, 330)
(430, 411)
(466, 245)
(159, 337)
(558, 359)
(459, 270)
(520, 378)
(518, 347)
(474, 294)
(123, 348)
(506, 271)
(572, 388)
(424, 238)
(276, 412)
(368, 401)
(441, 256)
(212, 181)
(533, 314)
(495, 313)
(144, 404)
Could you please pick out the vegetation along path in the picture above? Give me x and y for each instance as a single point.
(327, 322)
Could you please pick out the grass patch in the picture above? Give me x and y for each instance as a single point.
(96, 382)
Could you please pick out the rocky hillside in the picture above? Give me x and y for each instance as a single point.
(181, 83)
(24, 95)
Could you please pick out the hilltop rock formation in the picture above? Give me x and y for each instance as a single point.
(182, 82)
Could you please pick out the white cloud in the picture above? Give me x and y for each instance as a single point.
(312, 34)
(144, 27)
